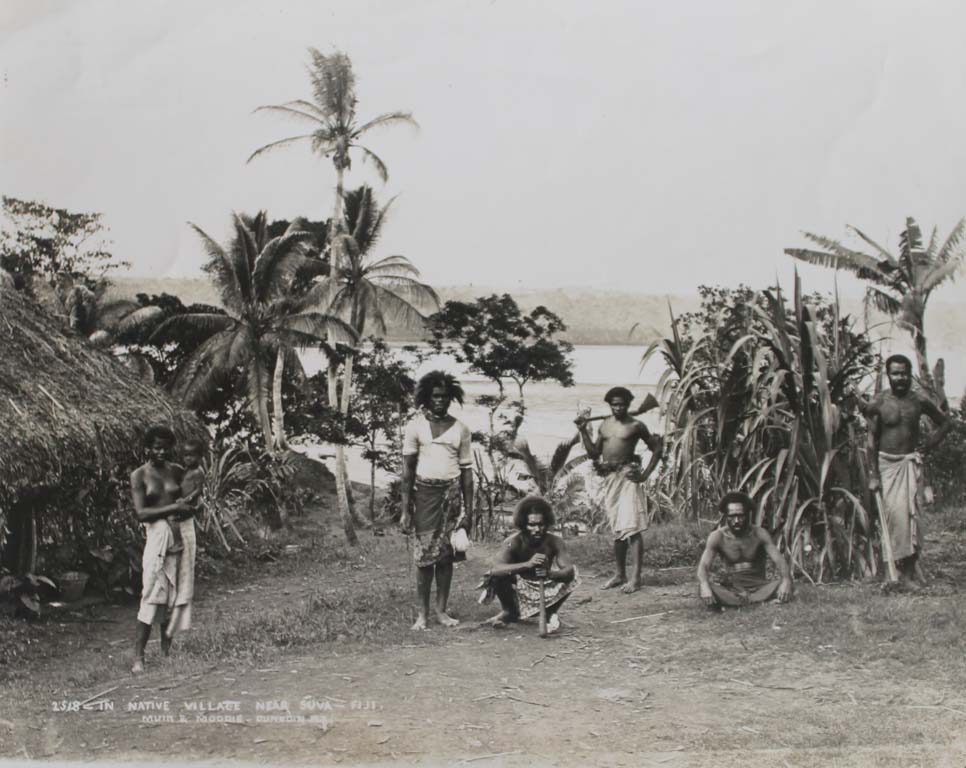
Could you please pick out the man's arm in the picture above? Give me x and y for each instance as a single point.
(873, 422)
(505, 566)
(940, 419)
(655, 445)
(592, 448)
(407, 483)
(466, 486)
(785, 589)
(704, 568)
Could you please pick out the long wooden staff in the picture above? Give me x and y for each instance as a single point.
(649, 404)
(886, 537)
(543, 607)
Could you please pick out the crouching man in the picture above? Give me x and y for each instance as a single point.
(530, 555)
(744, 548)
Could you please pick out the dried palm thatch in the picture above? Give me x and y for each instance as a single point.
(65, 406)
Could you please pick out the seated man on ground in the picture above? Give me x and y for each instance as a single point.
(744, 548)
(530, 554)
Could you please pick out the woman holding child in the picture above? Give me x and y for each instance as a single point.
(165, 496)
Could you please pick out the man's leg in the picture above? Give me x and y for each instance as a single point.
(140, 643)
(765, 592)
(444, 578)
(424, 586)
(506, 594)
(620, 555)
(162, 624)
(728, 597)
(637, 553)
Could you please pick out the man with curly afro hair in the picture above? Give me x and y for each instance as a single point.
(529, 554)
(437, 473)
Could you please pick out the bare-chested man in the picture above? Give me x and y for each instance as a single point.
(893, 418)
(620, 487)
(529, 554)
(744, 548)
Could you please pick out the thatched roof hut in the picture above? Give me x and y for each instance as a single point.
(67, 410)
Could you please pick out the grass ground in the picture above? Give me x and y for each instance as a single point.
(845, 675)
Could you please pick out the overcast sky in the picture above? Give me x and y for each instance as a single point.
(643, 146)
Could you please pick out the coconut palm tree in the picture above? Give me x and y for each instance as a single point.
(900, 285)
(336, 134)
(262, 319)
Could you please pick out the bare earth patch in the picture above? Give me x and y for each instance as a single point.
(844, 676)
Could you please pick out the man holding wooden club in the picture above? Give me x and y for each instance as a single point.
(896, 476)
(619, 487)
(532, 574)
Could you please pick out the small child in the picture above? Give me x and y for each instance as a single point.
(193, 482)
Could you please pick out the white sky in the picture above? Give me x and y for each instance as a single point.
(641, 146)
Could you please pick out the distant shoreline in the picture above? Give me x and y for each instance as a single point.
(594, 317)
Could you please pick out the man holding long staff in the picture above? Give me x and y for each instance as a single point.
(896, 470)
(619, 487)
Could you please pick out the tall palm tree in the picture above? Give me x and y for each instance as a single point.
(900, 285)
(372, 293)
(262, 319)
(336, 133)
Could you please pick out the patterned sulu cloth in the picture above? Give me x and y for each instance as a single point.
(527, 592)
(436, 515)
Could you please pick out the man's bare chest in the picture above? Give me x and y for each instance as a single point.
(900, 412)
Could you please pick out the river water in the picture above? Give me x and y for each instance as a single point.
(551, 408)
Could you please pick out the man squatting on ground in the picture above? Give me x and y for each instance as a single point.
(437, 470)
(743, 547)
(529, 554)
(893, 420)
(620, 489)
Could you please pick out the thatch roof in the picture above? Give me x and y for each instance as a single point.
(65, 405)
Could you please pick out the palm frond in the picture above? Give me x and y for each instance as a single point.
(333, 85)
(277, 145)
(319, 325)
(203, 370)
(388, 118)
(380, 166)
(278, 259)
(137, 323)
(290, 111)
(222, 270)
(199, 322)
(950, 249)
(939, 274)
(244, 252)
(882, 251)
(388, 304)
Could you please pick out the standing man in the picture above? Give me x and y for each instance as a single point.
(619, 488)
(437, 470)
(744, 548)
(893, 420)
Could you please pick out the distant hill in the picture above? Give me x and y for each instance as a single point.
(592, 316)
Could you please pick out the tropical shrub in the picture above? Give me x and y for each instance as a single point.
(758, 395)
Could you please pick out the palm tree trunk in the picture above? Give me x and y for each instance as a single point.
(335, 272)
(260, 405)
(344, 412)
(279, 413)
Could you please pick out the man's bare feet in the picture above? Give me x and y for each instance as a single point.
(614, 581)
(446, 620)
(631, 587)
(500, 620)
(420, 623)
(138, 667)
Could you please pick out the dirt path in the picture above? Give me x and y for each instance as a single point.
(646, 679)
